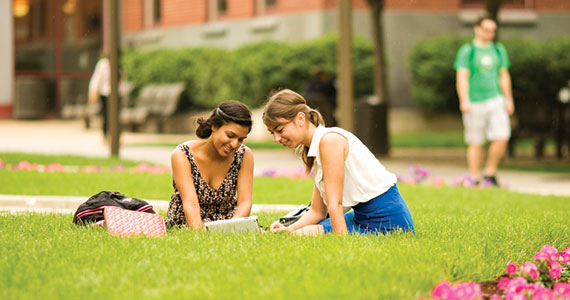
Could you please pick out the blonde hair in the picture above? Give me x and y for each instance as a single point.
(286, 104)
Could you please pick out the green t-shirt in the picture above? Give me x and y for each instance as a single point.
(483, 64)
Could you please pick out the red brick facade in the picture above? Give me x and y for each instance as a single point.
(183, 12)
(552, 5)
(239, 9)
(132, 15)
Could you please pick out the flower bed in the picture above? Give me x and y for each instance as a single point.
(548, 277)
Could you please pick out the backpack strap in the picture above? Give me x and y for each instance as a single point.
(472, 53)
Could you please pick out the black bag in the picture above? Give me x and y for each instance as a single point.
(91, 211)
(294, 215)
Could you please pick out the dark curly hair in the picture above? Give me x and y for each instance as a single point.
(227, 112)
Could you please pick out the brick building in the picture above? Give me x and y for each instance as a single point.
(68, 48)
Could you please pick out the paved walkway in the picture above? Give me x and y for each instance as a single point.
(70, 137)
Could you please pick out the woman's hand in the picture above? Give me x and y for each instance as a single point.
(310, 230)
(278, 227)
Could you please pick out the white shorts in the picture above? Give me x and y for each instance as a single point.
(488, 119)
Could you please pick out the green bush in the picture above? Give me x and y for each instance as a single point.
(248, 73)
(537, 68)
(558, 64)
(433, 77)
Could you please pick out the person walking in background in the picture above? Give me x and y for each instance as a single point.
(209, 172)
(485, 99)
(320, 93)
(100, 89)
(347, 175)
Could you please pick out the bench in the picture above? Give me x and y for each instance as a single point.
(81, 109)
(540, 119)
(155, 101)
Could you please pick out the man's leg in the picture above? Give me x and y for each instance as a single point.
(496, 153)
(474, 158)
(499, 132)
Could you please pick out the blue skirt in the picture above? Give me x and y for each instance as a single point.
(383, 214)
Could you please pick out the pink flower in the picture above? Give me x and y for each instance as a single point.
(24, 165)
(442, 291)
(548, 253)
(54, 167)
(562, 289)
(516, 285)
(565, 256)
(141, 168)
(542, 293)
(555, 270)
(503, 283)
(529, 269)
(437, 181)
(91, 169)
(467, 291)
(495, 297)
(511, 268)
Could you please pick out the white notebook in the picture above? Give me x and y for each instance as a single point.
(245, 224)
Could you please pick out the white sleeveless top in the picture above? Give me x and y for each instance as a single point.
(364, 176)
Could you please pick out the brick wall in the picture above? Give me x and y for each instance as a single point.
(132, 15)
(293, 6)
(422, 5)
(240, 9)
(356, 4)
(552, 5)
(180, 12)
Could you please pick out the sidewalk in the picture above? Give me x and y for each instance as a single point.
(70, 137)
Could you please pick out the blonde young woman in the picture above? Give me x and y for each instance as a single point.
(210, 171)
(347, 175)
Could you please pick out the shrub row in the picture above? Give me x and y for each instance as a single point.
(537, 68)
(248, 73)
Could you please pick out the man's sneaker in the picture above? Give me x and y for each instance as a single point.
(491, 181)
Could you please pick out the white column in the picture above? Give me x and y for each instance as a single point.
(6, 54)
(212, 10)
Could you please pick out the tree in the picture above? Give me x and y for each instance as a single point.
(380, 90)
(492, 8)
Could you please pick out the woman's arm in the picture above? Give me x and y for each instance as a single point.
(317, 212)
(245, 185)
(333, 148)
(182, 174)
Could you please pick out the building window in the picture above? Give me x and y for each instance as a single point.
(157, 11)
(222, 7)
(269, 4)
(152, 13)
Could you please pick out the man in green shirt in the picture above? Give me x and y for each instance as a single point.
(485, 99)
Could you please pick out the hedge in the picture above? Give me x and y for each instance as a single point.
(248, 73)
(537, 68)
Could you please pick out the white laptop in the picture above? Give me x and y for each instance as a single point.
(245, 224)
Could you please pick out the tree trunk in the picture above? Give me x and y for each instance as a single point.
(492, 7)
(375, 131)
(378, 53)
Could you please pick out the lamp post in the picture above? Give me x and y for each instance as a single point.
(113, 47)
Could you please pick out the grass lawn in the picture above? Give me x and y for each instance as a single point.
(138, 185)
(461, 235)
